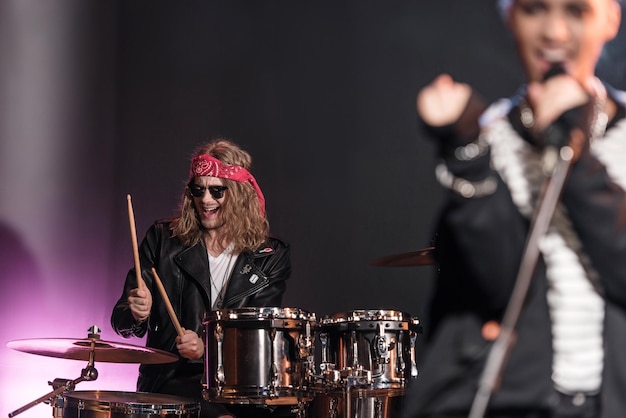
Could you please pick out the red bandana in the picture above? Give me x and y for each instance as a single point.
(206, 165)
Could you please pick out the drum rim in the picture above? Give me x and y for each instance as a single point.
(356, 315)
(107, 396)
(259, 313)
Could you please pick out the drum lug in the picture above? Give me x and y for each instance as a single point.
(331, 377)
(324, 343)
(357, 377)
(274, 382)
(57, 408)
(333, 409)
(301, 409)
(413, 337)
(381, 349)
(305, 344)
(219, 372)
(400, 364)
(306, 350)
(378, 408)
(273, 378)
(355, 350)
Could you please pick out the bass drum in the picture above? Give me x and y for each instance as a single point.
(357, 403)
(108, 404)
(259, 355)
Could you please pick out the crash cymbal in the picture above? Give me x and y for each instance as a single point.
(104, 351)
(423, 257)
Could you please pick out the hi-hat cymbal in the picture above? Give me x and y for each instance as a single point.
(423, 257)
(104, 351)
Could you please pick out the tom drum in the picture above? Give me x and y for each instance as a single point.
(258, 355)
(374, 348)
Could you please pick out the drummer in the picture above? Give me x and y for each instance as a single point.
(216, 253)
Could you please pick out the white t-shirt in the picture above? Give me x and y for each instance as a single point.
(220, 268)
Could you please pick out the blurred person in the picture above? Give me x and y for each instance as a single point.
(567, 357)
(216, 253)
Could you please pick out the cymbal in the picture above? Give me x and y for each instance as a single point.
(423, 257)
(104, 351)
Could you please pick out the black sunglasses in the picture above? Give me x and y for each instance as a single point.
(217, 192)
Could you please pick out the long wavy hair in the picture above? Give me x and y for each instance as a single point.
(245, 225)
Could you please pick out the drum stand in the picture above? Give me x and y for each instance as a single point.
(84, 349)
(65, 385)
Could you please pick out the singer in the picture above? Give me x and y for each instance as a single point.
(568, 358)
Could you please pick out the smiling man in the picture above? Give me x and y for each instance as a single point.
(217, 253)
(567, 354)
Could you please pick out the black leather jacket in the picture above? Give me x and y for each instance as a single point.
(258, 279)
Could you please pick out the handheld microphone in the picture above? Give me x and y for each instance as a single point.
(557, 134)
(557, 68)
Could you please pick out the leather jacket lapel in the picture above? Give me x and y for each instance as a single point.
(195, 262)
(246, 280)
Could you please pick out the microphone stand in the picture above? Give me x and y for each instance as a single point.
(548, 200)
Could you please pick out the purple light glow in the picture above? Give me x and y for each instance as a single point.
(24, 377)
(58, 291)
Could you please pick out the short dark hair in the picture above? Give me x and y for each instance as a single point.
(503, 6)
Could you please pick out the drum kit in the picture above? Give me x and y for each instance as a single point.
(353, 364)
(266, 357)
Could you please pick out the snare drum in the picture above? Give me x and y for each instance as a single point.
(374, 348)
(107, 404)
(258, 355)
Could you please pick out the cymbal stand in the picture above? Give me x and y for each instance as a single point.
(66, 385)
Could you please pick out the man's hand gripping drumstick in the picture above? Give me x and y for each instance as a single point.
(188, 343)
(139, 299)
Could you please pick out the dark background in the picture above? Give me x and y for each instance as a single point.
(322, 95)
(104, 99)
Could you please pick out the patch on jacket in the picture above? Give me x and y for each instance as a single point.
(265, 250)
(246, 269)
(253, 279)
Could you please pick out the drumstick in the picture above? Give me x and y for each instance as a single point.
(168, 305)
(133, 236)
